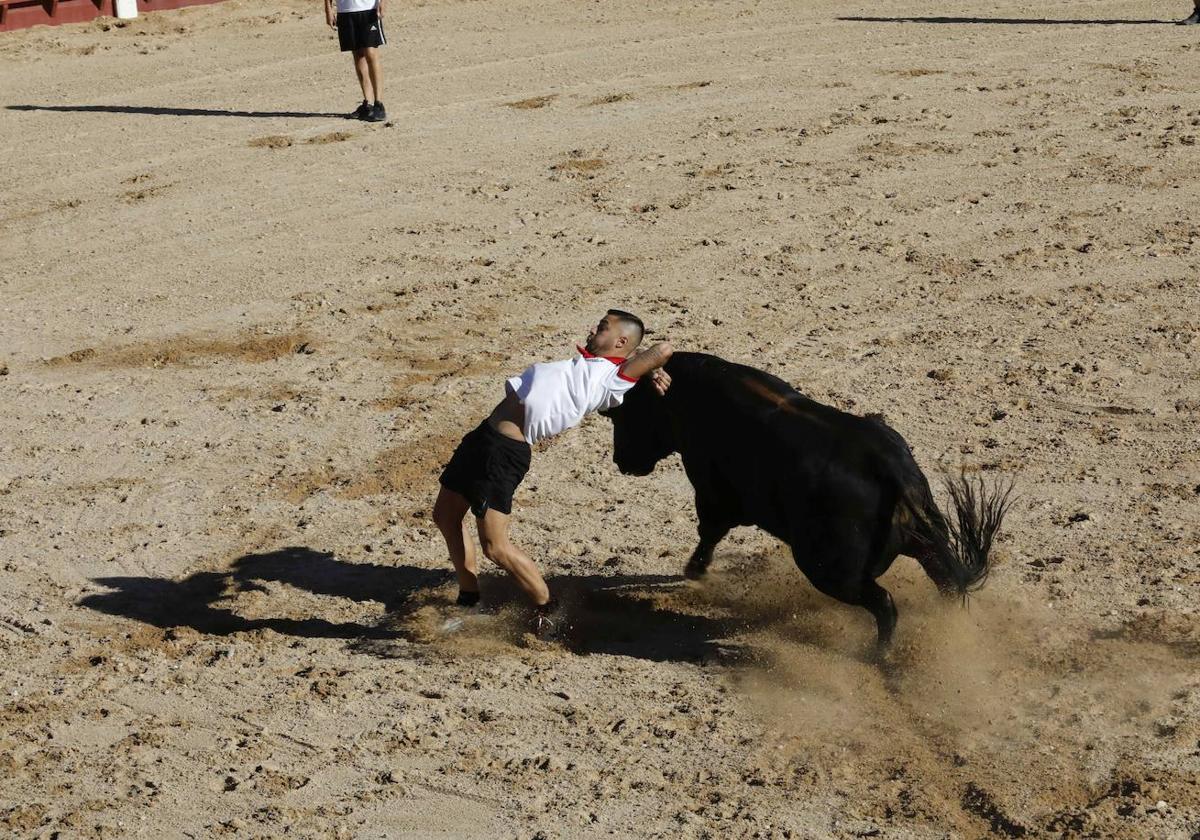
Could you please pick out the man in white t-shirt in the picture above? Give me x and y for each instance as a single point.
(542, 401)
(359, 25)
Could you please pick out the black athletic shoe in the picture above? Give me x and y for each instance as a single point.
(545, 626)
(378, 113)
(1191, 20)
(362, 112)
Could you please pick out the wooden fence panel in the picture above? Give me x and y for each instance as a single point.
(19, 14)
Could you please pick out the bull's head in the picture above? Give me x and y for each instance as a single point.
(642, 433)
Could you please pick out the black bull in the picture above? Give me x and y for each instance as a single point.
(843, 491)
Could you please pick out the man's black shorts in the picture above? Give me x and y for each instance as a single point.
(486, 469)
(359, 30)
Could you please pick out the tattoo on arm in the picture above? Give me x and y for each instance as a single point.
(650, 360)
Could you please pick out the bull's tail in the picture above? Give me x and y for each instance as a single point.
(955, 551)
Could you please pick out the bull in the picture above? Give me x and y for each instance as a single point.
(843, 491)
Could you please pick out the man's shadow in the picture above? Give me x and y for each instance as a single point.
(196, 601)
(171, 112)
(616, 615)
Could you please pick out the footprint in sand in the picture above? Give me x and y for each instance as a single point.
(271, 141)
(532, 103)
(331, 137)
(610, 99)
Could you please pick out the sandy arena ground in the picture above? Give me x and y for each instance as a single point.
(240, 335)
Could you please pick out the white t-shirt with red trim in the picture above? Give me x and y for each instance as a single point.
(558, 395)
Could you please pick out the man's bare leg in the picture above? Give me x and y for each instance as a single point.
(364, 74)
(449, 514)
(497, 547)
(374, 73)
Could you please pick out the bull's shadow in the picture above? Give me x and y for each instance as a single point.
(606, 614)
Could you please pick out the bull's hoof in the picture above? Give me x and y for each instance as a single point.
(884, 658)
(694, 572)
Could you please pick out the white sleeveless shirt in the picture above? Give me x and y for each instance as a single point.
(558, 395)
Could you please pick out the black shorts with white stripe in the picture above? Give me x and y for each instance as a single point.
(359, 30)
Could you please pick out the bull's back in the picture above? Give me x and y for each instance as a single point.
(768, 451)
(755, 410)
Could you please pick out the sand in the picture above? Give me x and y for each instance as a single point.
(240, 335)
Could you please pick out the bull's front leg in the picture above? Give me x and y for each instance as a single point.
(712, 530)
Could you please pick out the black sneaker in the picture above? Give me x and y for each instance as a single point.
(362, 112)
(378, 113)
(544, 628)
(546, 625)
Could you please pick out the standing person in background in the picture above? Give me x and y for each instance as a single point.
(359, 25)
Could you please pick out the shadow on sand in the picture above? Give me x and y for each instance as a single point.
(618, 615)
(1008, 21)
(171, 112)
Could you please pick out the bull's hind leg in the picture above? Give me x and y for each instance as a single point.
(871, 596)
(842, 567)
(711, 532)
(879, 601)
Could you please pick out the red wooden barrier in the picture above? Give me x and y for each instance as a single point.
(18, 14)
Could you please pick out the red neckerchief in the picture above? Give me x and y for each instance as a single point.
(616, 360)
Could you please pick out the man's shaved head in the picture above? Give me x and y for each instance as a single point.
(617, 334)
(630, 324)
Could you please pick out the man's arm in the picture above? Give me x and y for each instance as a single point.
(649, 362)
(330, 14)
